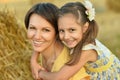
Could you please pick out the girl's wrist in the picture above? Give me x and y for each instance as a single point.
(40, 73)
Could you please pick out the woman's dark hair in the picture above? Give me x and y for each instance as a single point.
(46, 10)
(77, 9)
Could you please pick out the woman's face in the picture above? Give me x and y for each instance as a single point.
(70, 31)
(41, 33)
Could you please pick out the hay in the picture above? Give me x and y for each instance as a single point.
(15, 49)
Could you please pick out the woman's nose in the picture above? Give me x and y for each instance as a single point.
(37, 35)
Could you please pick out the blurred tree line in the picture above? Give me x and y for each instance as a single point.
(111, 4)
(36, 1)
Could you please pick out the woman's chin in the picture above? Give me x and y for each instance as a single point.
(37, 50)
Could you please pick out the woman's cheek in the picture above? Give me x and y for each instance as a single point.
(30, 34)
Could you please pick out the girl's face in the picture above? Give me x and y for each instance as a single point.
(70, 31)
(41, 33)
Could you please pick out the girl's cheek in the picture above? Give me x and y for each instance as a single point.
(60, 36)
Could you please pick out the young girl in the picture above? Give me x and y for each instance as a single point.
(78, 31)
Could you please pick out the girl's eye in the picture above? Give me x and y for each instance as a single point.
(61, 31)
(72, 30)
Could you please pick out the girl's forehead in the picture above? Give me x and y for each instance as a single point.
(67, 15)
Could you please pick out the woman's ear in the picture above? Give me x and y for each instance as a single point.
(85, 27)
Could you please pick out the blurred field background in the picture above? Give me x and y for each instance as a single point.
(15, 49)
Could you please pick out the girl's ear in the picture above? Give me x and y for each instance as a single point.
(85, 27)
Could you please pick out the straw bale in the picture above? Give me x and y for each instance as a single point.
(15, 49)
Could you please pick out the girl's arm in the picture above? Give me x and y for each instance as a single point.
(68, 71)
(35, 67)
(65, 75)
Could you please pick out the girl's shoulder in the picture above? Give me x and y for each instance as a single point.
(96, 47)
(100, 48)
(89, 46)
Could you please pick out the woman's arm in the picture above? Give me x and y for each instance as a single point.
(68, 71)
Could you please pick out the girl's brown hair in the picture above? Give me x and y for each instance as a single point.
(78, 10)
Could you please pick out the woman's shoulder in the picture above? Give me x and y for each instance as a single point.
(58, 47)
(62, 51)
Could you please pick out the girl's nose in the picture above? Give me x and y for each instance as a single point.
(66, 36)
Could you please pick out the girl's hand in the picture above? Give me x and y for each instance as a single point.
(35, 67)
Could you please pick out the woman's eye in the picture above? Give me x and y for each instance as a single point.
(46, 30)
(31, 27)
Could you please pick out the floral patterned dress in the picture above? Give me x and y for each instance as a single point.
(107, 67)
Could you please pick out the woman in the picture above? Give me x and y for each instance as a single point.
(42, 30)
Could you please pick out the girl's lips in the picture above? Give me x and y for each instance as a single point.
(68, 42)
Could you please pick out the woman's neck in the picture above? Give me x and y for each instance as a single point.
(50, 55)
(55, 48)
(48, 52)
